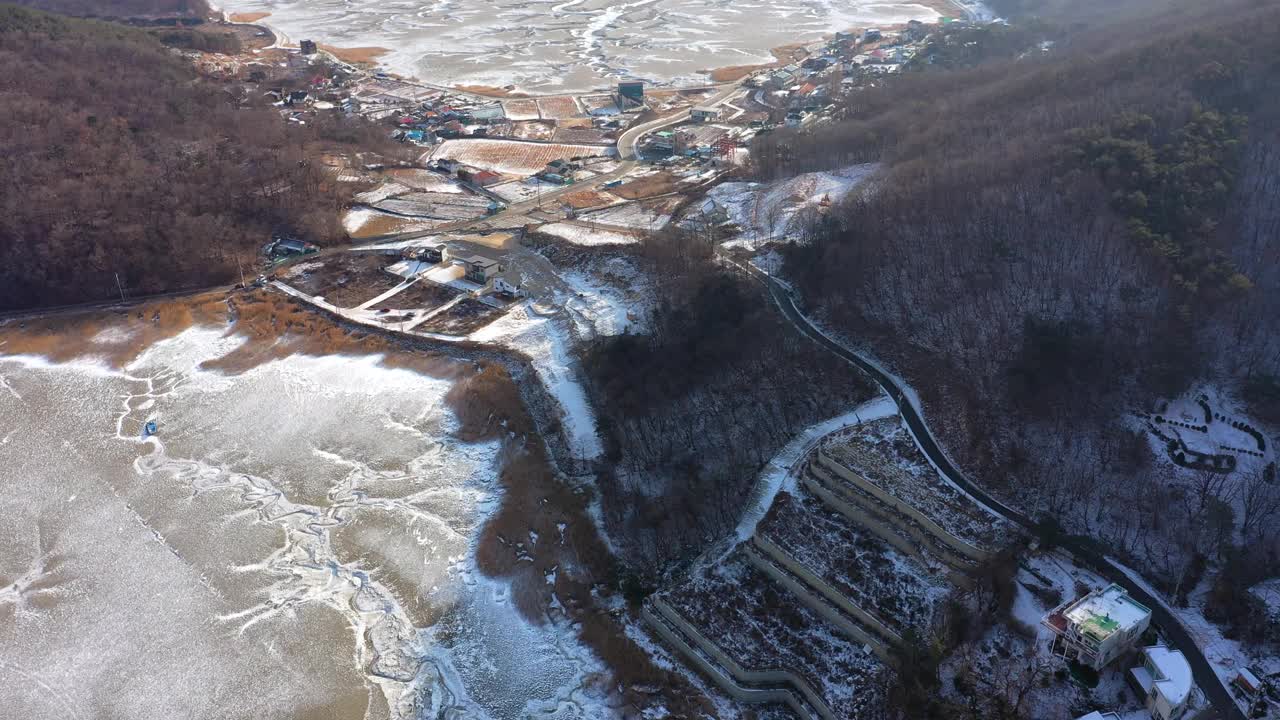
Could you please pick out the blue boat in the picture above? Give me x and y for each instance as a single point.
(149, 429)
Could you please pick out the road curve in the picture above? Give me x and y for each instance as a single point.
(1205, 677)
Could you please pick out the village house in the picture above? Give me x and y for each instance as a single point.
(1164, 679)
(1095, 629)
(704, 113)
(307, 47)
(1096, 715)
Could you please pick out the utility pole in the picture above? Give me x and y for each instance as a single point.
(119, 287)
(241, 267)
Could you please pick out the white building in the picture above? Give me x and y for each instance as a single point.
(704, 113)
(1099, 627)
(1165, 679)
(1095, 715)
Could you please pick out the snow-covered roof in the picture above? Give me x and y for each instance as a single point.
(1173, 673)
(1101, 613)
(1095, 715)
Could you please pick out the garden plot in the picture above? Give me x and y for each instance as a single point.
(559, 107)
(345, 280)
(521, 109)
(510, 157)
(761, 626)
(420, 295)
(463, 318)
(424, 180)
(449, 207)
(765, 212)
(900, 592)
(885, 455)
(533, 130)
(650, 216)
(1204, 429)
(365, 222)
(522, 190)
(587, 236)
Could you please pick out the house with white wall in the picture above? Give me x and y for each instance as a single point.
(1164, 678)
(1097, 628)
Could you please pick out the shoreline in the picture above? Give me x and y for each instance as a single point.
(367, 57)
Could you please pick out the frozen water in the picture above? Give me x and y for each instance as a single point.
(296, 542)
(574, 45)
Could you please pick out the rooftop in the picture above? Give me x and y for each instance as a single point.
(1173, 673)
(1102, 612)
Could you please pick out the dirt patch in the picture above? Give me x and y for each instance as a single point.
(367, 56)
(422, 294)
(646, 187)
(491, 91)
(346, 280)
(462, 319)
(533, 130)
(559, 107)
(248, 17)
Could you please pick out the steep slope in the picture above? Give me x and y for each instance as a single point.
(1057, 242)
(119, 160)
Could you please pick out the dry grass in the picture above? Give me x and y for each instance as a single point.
(782, 55)
(366, 56)
(646, 187)
(248, 17)
(559, 107)
(491, 91)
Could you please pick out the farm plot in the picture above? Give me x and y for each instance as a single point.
(437, 206)
(420, 295)
(559, 107)
(755, 622)
(462, 319)
(651, 216)
(345, 280)
(511, 157)
(885, 455)
(533, 130)
(523, 109)
(424, 180)
(581, 235)
(896, 589)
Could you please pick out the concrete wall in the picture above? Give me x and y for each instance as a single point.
(741, 674)
(835, 597)
(955, 543)
(726, 683)
(817, 604)
(899, 536)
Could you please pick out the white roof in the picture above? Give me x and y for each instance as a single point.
(1095, 715)
(1174, 673)
(1110, 608)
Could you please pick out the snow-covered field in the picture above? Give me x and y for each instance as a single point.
(573, 45)
(511, 157)
(765, 212)
(581, 235)
(298, 540)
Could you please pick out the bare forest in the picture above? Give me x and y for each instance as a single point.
(118, 159)
(1057, 241)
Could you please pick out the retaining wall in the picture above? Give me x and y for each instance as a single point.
(816, 604)
(892, 535)
(741, 674)
(823, 588)
(955, 543)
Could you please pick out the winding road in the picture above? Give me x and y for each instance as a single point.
(1205, 677)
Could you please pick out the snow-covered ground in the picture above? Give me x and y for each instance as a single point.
(580, 235)
(633, 215)
(765, 212)
(297, 536)
(538, 332)
(779, 474)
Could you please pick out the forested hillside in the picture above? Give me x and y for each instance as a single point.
(118, 159)
(692, 410)
(122, 8)
(1060, 239)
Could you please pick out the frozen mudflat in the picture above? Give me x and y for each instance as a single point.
(297, 542)
(572, 45)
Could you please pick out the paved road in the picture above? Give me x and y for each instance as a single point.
(1205, 677)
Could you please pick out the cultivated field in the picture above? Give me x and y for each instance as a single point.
(510, 157)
